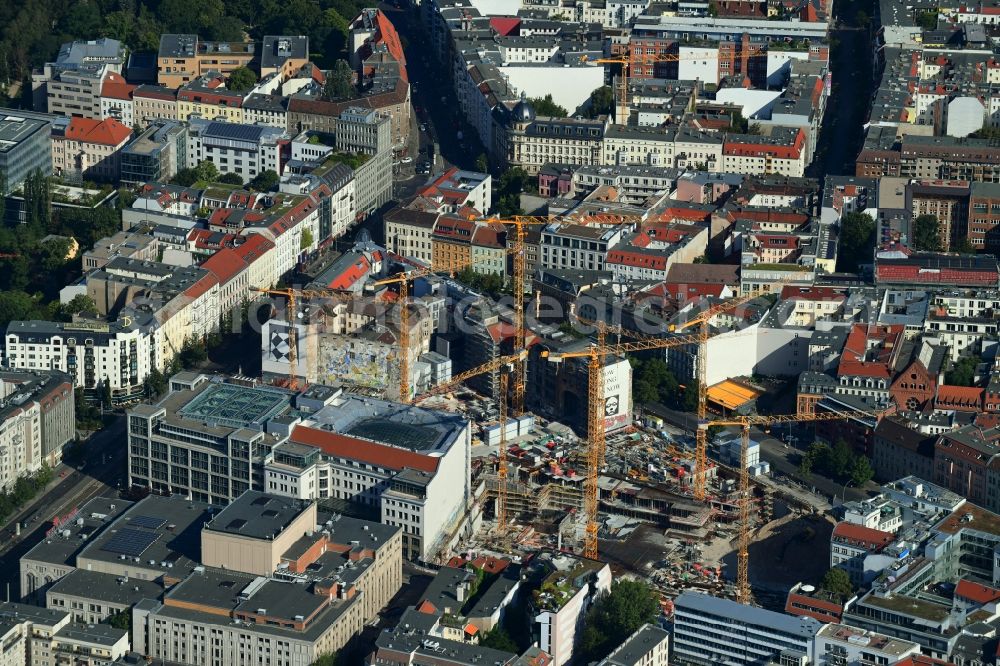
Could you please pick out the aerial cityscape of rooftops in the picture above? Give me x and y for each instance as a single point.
(500, 332)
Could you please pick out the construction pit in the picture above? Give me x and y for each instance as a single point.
(650, 524)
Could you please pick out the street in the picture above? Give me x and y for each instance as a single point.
(852, 82)
(434, 101)
(101, 473)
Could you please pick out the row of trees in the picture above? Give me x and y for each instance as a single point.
(927, 237)
(207, 172)
(31, 31)
(837, 462)
(25, 488)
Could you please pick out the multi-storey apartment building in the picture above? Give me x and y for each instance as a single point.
(119, 355)
(192, 443)
(530, 142)
(245, 150)
(36, 420)
(408, 233)
(275, 581)
(183, 58)
(410, 465)
(83, 148)
(579, 246)
(983, 231)
(710, 630)
(947, 201)
(151, 103)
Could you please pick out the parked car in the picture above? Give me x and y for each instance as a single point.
(406, 160)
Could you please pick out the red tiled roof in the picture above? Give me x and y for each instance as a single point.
(962, 398)
(201, 286)
(116, 87)
(351, 274)
(383, 455)
(224, 264)
(913, 273)
(488, 236)
(824, 610)
(793, 293)
(505, 26)
(426, 607)
(921, 660)
(860, 535)
(490, 564)
(638, 259)
(792, 152)
(858, 360)
(253, 247)
(975, 592)
(107, 132)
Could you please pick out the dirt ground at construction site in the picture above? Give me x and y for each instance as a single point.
(786, 551)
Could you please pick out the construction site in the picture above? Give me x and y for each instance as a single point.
(651, 502)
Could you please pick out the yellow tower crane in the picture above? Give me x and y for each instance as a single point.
(595, 354)
(743, 591)
(520, 225)
(291, 295)
(702, 320)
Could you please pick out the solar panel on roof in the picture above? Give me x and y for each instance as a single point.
(147, 521)
(235, 131)
(130, 542)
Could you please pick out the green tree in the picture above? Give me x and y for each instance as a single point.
(79, 304)
(191, 16)
(16, 305)
(83, 18)
(545, 106)
(836, 581)
(339, 82)
(602, 101)
(121, 620)
(857, 240)
(861, 471)
(241, 79)
(334, 30)
(615, 616)
(963, 372)
(928, 19)
(986, 132)
(499, 639)
(265, 181)
(482, 165)
(193, 354)
(307, 239)
(840, 460)
(207, 171)
(963, 246)
(227, 29)
(689, 400)
(926, 233)
(105, 389)
(155, 384)
(185, 177)
(230, 178)
(806, 465)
